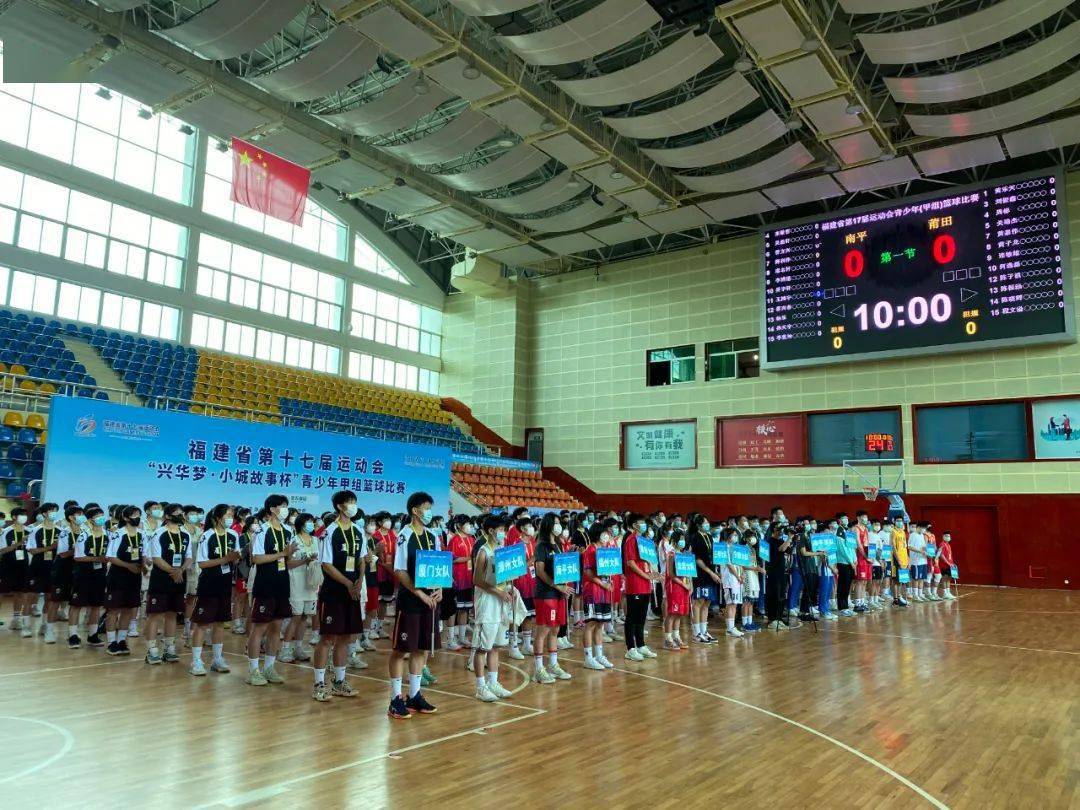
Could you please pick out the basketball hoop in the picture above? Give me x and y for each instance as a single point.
(870, 493)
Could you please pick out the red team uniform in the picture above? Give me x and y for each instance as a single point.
(863, 569)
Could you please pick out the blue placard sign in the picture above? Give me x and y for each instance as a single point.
(608, 562)
(433, 569)
(567, 567)
(685, 565)
(739, 555)
(647, 551)
(510, 562)
(763, 550)
(903, 576)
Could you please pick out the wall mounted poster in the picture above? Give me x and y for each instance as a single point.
(1056, 427)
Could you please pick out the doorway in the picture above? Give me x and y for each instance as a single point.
(534, 445)
(974, 540)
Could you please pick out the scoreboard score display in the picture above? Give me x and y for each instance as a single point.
(974, 268)
(879, 443)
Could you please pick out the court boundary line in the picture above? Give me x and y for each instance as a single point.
(809, 729)
(957, 641)
(48, 670)
(69, 743)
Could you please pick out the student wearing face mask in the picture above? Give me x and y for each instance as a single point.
(777, 569)
(901, 560)
(168, 551)
(242, 572)
(124, 581)
(64, 563)
(550, 603)
(14, 571)
(863, 569)
(579, 540)
(523, 531)
(386, 542)
(596, 597)
(457, 602)
(706, 579)
(371, 579)
(88, 577)
(562, 640)
(492, 602)
(917, 551)
(305, 578)
(270, 553)
(414, 625)
(639, 577)
(216, 553)
(193, 527)
(946, 561)
(933, 572)
(41, 545)
(677, 592)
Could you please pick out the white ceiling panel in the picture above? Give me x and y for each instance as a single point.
(449, 75)
(601, 28)
(668, 68)
(737, 205)
(220, 116)
(520, 254)
(880, 6)
(391, 30)
(295, 147)
(517, 116)
(38, 46)
(232, 27)
(677, 219)
(715, 104)
(770, 31)
(447, 220)
(640, 199)
(570, 243)
(396, 108)
(855, 148)
(831, 115)
(760, 131)
(788, 161)
(580, 216)
(557, 190)
(1053, 135)
(619, 232)
(349, 176)
(875, 175)
(804, 77)
(489, 8)
(461, 135)
(965, 34)
(486, 239)
(340, 59)
(801, 191)
(135, 76)
(513, 165)
(566, 149)
(954, 157)
(600, 176)
(1001, 116)
(401, 200)
(989, 77)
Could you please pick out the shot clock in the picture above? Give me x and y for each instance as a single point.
(971, 268)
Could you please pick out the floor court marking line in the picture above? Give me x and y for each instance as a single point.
(518, 670)
(280, 787)
(48, 670)
(956, 641)
(854, 751)
(69, 742)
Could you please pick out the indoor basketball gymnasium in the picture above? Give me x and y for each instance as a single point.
(620, 402)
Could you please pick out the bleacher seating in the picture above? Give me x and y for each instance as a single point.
(154, 369)
(491, 486)
(33, 354)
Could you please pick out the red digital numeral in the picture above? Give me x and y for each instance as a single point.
(853, 264)
(944, 248)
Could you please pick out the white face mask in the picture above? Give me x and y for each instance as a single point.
(370, 528)
(844, 522)
(605, 538)
(556, 529)
(565, 533)
(468, 529)
(386, 524)
(282, 512)
(530, 531)
(21, 520)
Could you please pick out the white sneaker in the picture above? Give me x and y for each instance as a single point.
(356, 662)
(949, 595)
(607, 664)
(542, 676)
(608, 637)
(830, 617)
(526, 648)
(645, 651)
(453, 646)
(50, 635)
(499, 690)
(133, 630)
(286, 656)
(793, 612)
(592, 663)
(26, 631)
(238, 626)
(515, 653)
(485, 695)
(564, 644)
(847, 612)
(197, 667)
(366, 644)
(634, 655)
(735, 632)
(558, 672)
(469, 662)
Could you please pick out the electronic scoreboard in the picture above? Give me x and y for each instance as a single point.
(970, 268)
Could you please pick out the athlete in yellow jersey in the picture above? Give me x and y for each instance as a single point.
(900, 560)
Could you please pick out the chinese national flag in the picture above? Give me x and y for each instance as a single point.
(268, 183)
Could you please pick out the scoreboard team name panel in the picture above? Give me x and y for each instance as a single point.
(960, 270)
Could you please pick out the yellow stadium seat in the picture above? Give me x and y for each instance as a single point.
(18, 369)
(3, 368)
(28, 385)
(46, 388)
(13, 419)
(35, 420)
(43, 437)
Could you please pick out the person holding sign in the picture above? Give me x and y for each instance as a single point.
(270, 552)
(706, 579)
(731, 580)
(414, 625)
(947, 564)
(216, 555)
(679, 569)
(640, 565)
(455, 611)
(491, 605)
(343, 557)
(917, 550)
(933, 571)
(900, 570)
(598, 564)
(550, 602)
(168, 553)
(881, 562)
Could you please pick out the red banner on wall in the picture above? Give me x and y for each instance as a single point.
(761, 441)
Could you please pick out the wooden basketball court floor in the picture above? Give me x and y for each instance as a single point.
(968, 704)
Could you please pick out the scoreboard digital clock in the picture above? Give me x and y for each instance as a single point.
(972, 268)
(879, 443)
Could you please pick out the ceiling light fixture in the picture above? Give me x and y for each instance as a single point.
(186, 130)
(854, 108)
(420, 86)
(221, 146)
(616, 174)
(573, 182)
(629, 218)
(505, 143)
(810, 44)
(103, 92)
(470, 72)
(794, 123)
(145, 114)
(743, 64)
(547, 126)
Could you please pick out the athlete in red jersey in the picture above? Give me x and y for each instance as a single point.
(863, 570)
(523, 531)
(385, 548)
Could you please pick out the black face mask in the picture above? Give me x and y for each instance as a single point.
(132, 521)
(177, 519)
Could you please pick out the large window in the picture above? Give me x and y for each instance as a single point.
(387, 319)
(995, 431)
(321, 231)
(102, 132)
(843, 435)
(48, 218)
(387, 372)
(670, 366)
(263, 344)
(732, 359)
(75, 302)
(247, 278)
(369, 259)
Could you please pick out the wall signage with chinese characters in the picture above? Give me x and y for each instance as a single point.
(659, 445)
(761, 441)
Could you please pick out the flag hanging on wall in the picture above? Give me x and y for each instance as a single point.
(268, 183)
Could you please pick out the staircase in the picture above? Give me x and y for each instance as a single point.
(97, 368)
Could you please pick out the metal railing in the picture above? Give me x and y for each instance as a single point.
(15, 398)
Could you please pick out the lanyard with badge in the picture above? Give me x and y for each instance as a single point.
(223, 550)
(279, 546)
(49, 540)
(349, 547)
(97, 547)
(174, 547)
(19, 539)
(134, 552)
